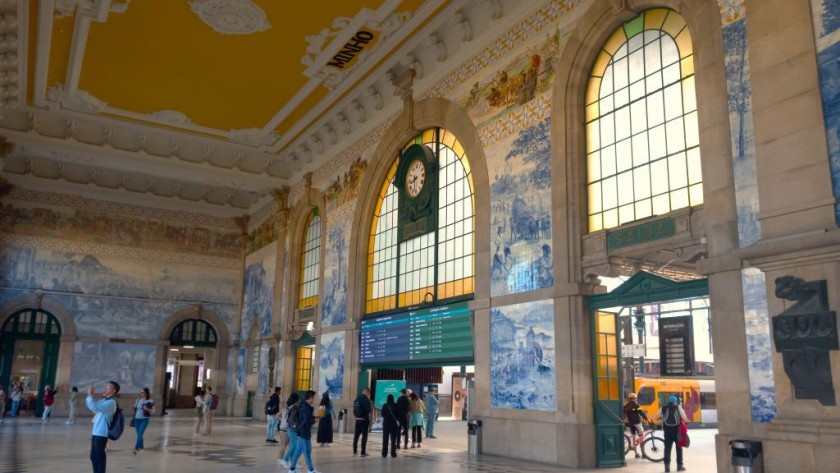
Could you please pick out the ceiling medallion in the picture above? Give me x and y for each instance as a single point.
(231, 16)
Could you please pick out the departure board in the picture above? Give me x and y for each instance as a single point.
(434, 335)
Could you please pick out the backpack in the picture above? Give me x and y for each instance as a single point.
(292, 417)
(358, 412)
(284, 421)
(671, 416)
(117, 424)
(214, 404)
(271, 407)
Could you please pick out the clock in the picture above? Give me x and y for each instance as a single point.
(415, 178)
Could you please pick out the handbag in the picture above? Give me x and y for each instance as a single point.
(131, 422)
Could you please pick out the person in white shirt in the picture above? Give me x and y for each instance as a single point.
(104, 410)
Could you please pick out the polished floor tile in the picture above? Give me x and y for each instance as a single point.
(28, 446)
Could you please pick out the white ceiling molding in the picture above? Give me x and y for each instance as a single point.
(173, 117)
(78, 100)
(239, 17)
(12, 67)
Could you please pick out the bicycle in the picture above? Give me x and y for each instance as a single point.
(653, 447)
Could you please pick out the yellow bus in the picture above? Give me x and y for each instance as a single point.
(697, 396)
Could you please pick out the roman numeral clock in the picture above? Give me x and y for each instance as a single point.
(416, 180)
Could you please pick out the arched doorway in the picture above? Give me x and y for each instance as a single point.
(611, 327)
(192, 356)
(29, 345)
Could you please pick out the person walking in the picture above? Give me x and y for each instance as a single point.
(288, 437)
(15, 397)
(403, 410)
(432, 404)
(633, 415)
(325, 425)
(390, 426)
(49, 400)
(211, 402)
(272, 408)
(304, 433)
(72, 405)
(671, 415)
(2, 404)
(199, 409)
(361, 411)
(143, 408)
(104, 410)
(415, 421)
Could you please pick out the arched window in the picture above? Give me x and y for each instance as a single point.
(193, 332)
(437, 266)
(642, 145)
(32, 322)
(310, 261)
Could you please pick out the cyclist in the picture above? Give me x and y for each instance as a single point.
(633, 415)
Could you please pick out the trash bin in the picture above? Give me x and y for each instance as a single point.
(342, 420)
(474, 437)
(746, 456)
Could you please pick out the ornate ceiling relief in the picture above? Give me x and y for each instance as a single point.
(231, 16)
(77, 100)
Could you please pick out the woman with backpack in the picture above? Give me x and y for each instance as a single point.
(672, 414)
(288, 437)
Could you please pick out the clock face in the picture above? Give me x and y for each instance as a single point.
(415, 178)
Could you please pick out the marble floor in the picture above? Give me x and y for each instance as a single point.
(28, 446)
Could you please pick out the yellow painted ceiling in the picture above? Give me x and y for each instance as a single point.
(159, 55)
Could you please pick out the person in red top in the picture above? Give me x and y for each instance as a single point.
(49, 400)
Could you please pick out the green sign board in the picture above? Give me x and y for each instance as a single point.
(639, 234)
(384, 387)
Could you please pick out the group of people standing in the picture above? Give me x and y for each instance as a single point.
(398, 417)
(672, 416)
(206, 403)
(16, 395)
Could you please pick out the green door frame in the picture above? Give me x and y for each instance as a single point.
(642, 288)
(52, 342)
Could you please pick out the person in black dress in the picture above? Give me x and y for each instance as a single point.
(325, 425)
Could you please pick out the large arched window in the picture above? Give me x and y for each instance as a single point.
(435, 267)
(643, 154)
(310, 262)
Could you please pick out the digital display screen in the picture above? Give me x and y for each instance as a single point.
(434, 335)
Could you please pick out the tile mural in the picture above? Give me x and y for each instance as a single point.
(826, 17)
(132, 366)
(114, 297)
(258, 293)
(334, 298)
(262, 375)
(331, 365)
(522, 363)
(756, 318)
(240, 371)
(520, 206)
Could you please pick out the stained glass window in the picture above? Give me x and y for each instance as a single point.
(437, 266)
(642, 138)
(310, 261)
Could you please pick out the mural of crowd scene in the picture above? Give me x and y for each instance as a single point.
(513, 84)
(739, 91)
(261, 236)
(345, 189)
(522, 367)
(133, 366)
(258, 289)
(335, 274)
(240, 372)
(520, 195)
(331, 364)
(94, 227)
(826, 17)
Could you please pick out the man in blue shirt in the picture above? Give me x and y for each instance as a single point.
(431, 413)
(104, 411)
(304, 433)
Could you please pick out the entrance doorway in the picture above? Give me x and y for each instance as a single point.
(29, 342)
(633, 349)
(191, 361)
